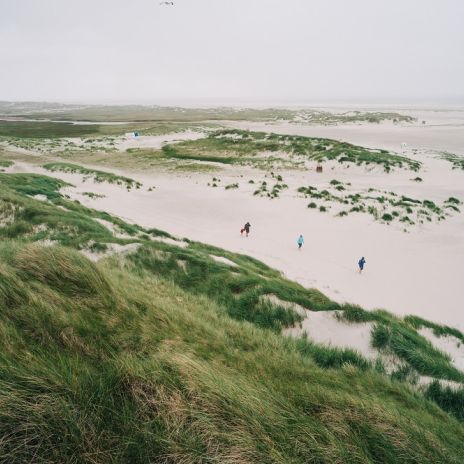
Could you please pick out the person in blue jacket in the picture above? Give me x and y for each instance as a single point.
(361, 264)
(300, 241)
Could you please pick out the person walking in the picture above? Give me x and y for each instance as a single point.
(246, 228)
(300, 241)
(361, 264)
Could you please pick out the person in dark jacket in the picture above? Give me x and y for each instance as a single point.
(361, 264)
(246, 228)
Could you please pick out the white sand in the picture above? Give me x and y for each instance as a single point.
(170, 241)
(324, 327)
(113, 248)
(274, 299)
(221, 259)
(450, 345)
(113, 228)
(419, 272)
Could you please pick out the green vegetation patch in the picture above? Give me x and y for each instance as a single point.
(195, 167)
(448, 399)
(238, 146)
(33, 184)
(438, 330)
(239, 289)
(106, 363)
(45, 129)
(380, 204)
(24, 129)
(400, 337)
(93, 195)
(264, 190)
(58, 220)
(97, 176)
(5, 163)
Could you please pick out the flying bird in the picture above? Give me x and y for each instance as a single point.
(167, 3)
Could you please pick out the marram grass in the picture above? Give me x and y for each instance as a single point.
(170, 356)
(106, 364)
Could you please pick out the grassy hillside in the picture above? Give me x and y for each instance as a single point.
(169, 355)
(107, 364)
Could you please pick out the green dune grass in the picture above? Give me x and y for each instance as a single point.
(5, 163)
(244, 147)
(108, 364)
(167, 355)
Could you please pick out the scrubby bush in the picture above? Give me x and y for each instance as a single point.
(387, 217)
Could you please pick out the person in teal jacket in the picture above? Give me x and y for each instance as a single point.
(300, 241)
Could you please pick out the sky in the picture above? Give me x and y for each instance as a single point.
(138, 51)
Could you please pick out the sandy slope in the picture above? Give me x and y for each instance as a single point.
(419, 272)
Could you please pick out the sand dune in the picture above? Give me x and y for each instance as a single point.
(418, 272)
(414, 272)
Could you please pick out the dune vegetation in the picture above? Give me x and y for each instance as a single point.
(39, 132)
(456, 161)
(46, 129)
(380, 204)
(244, 147)
(97, 176)
(108, 364)
(169, 115)
(174, 353)
(5, 163)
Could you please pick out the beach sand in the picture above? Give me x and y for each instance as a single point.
(415, 272)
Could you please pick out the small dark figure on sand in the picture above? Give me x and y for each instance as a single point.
(361, 264)
(246, 228)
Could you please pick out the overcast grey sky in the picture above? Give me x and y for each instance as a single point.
(139, 51)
